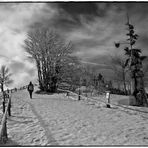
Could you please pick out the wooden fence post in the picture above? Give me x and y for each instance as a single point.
(67, 94)
(3, 131)
(108, 99)
(9, 106)
(3, 94)
(79, 97)
(3, 106)
(4, 136)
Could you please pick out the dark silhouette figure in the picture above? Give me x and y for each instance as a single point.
(30, 89)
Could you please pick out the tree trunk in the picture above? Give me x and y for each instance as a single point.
(52, 85)
(139, 92)
(131, 84)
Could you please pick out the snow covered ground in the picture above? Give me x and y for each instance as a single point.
(59, 120)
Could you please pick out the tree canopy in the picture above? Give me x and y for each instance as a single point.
(52, 56)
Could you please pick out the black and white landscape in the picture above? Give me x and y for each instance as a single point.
(88, 62)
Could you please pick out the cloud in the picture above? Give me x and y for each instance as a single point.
(92, 27)
(23, 72)
(16, 20)
(96, 36)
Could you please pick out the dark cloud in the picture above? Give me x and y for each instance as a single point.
(143, 39)
(93, 27)
(89, 43)
(75, 9)
(70, 13)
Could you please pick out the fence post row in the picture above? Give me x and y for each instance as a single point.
(9, 106)
(3, 130)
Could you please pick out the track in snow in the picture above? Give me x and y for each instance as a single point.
(74, 123)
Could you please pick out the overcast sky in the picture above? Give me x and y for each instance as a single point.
(92, 28)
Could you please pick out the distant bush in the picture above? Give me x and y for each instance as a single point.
(117, 91)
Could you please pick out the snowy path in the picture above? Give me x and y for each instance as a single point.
(57, 120)
(23, 126)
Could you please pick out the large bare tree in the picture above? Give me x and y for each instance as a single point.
(50, 53)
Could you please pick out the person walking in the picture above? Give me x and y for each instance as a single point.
(30, 89)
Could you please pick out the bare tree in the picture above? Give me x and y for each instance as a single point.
(94, 81)
(4, 81)
(50, 52)
(72, 72)
(120, 71)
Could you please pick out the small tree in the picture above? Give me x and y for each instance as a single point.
(134, 63)
(89, 74)
(71, 72)
(118, 66)
(4, 81)
(101, 82)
